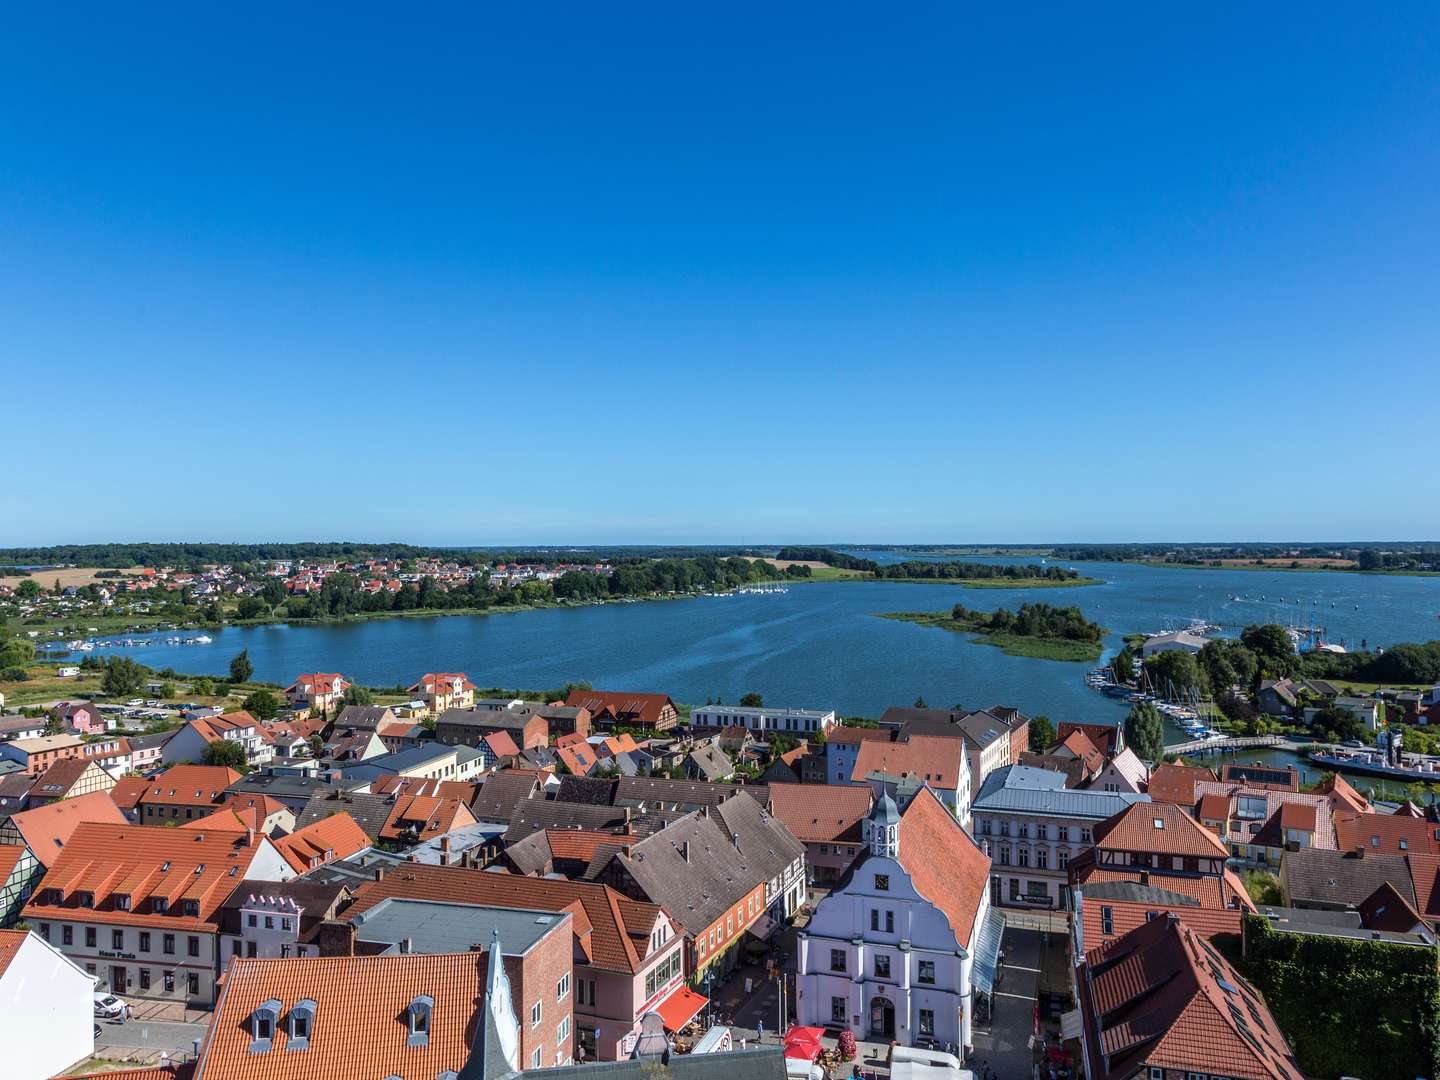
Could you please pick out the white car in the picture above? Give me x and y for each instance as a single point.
(109, 1007)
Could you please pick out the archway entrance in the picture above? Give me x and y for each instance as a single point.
(882, 1017)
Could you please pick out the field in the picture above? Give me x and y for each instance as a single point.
(1037, 648)
(70, 575)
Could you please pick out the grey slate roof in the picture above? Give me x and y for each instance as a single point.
(678, 794)
(147, 742)
(711, 762)
(364, 717)
(538, 814)
(1337, 879)
(369, 811)
(357, 869)
(435, 926)
(461, 840)
(1137, 893)
(1025, 790)
(490, 719)
(1341, 924)
(501, 794)
(592, 790)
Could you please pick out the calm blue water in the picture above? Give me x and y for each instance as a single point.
(817, 645)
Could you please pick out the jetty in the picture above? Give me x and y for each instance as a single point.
(1235, 742)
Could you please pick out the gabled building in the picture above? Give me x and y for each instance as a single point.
(900, 947)
(443, 690)
(1386, 834)
(185, 792)
(81, 718)
(828, 819)
(37, 755)
(190, 742)
(69, 778)
(274, 919)
(47, 1024)
(19, 871)
(1176, 784)
(416, 818)
(320, 692)
(469, 727)
(45, 830)
(842, 749)
(613, 709)
(1161, 1002)
(321, 842)
(899, 769)
(138, 907)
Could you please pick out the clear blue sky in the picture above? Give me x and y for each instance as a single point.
(617, 273)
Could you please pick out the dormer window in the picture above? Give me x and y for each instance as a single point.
(162, 905)
(122, 901)
(418, 1018)
(302, 1022)
(262, 1026)
(192, 908)
(87, 899)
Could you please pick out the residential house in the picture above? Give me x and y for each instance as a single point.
(37, 755)
(147, 752)
(901, 768)
(319, 693)
(44, 831)
(366, 809)
(1152, 857)
(190, 742)
(68, 778)
(764, 721)
(81, 718)
(628, 953)
(360, 718)
(443, 690)
(576, 854)
(19, 871)
(432, 761)
(468, 727)
(353, 744)
(46, 1008)
(709, 763)
(498, 747)
(184, 792)
(138, 907)
(1386, 834)
(898, 951)
(842, 749)
(1108, 738)
(991, 742)
(1189, 1014)
(414, 819)
(1176, 784)
(1277, 697)
(321, 842)
(613, 709)
(270, 919)
(1259, 823)
(21, 727)
(559, 719)
(265, 815)
(577, 760)
(828, 819)
(1031, 825)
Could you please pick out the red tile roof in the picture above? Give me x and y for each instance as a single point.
(1080, 744)
(945, 864)
(1425, 875)
(423, 785)
(1159, 828)
(360, 1027)
(821, 812)
(1176, 783)
(502, 745)
(47, 829)
(1298, 816)
(1214, 806)
(603, 917)
(581, 844)
(10, 856)
(424, 816)
(442, 682)
(128, 791)
(189, 785)
(1391, 834)
(931, 757)
(643, 710)
(10, 942)
(318, 683)
(1126, 915)
(323, 841)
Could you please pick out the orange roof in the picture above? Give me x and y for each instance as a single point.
(933, 757)
(580, 760)
(47, 829)
(1161, 828)
(148, 1072)
(214, 728)
(318, 683)
(128, 791)
(1126, 915)
(188, 785)
(360, 1027)
(1176, 783)
(423, 785)
(1391, 834)
(621, 744)
(572, 739)
(1214, 806)
(946, 865)
(818, 813)
(581, 844)
(1080, 744)
(443, 682)
(146, 865)
(644, 710)
(10, 942)
(603, 919)
(10, 856)
(1425, 874)
(238, 813)
(320, 842)
(502, 745)
(425, 816)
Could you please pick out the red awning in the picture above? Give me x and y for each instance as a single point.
(803, 1042)
(681, 1007)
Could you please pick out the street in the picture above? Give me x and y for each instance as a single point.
(1003, 1044)
(146, 1040)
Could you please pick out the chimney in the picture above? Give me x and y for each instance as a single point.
(336, 938)
(379, 873)
(685, 850)
(249, 837)
(406, 945)
(445, 851)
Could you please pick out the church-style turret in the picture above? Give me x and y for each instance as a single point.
(884, 826)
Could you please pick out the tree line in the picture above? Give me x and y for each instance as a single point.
(1033, 620)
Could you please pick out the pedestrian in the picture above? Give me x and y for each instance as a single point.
(759, 1031)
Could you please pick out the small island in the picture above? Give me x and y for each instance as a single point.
(826, 564)
(1039, 631)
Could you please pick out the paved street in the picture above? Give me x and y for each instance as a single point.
(147, 1040)
(1003, 1044)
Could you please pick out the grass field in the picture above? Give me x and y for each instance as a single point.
(1036, 648)
(71, 575)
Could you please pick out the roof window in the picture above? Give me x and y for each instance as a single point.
(262, 1026)
(302, 1023)
(1159, 822)
(417, 1017)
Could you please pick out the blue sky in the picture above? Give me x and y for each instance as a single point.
(770, 272)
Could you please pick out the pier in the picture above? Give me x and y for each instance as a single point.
(1237, 742)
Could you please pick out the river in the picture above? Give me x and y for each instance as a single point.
(817, 645)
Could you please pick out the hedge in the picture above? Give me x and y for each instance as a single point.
(1351, 1007)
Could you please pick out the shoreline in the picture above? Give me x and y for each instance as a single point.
(1063, 650)
(1273, 569)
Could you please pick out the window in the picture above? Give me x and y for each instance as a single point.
(837, 959)
(1085, 835)
(160, 905)
(875, 919)
(1107, 920)
(535, 1059)
(882, 967)
(1024, 856)
(1022, 830)
(1062, 858)
(927, 1021)
(192, 983)
(144, 940)
(562, 1031)
(251, 920)
(889, 922)
(882, 882)
(262, 1020)
(418, 1019)
(144, 978)
(535, 1014)
(1062, 833)
(45, 930)
(1004, 854)
(562, 988)
(1042, 858)
(927, 972)
(985, 827)
(269, 922)
(1157, 1073)
(167, 944)
(192, 947)
(122, 902)
(90, 937)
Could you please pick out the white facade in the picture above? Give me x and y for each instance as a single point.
(46, 1012)
(784, 721)
(188, 745)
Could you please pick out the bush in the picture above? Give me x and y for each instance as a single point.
(847, 1045)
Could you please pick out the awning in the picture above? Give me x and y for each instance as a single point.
(984, 970)
(803, 1042)
(762, 927)
(1071, 1024)
(681, 1007)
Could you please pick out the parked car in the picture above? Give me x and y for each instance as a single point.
(1355, 744)
(109, 1007)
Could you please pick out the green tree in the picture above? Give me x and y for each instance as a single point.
(1176, 672)
(28, 589)
(1273, 648)
(317, 746)
(261, 704)
(1264, 888)
(358, 695)
(1042, 733)
(1145, 731)
(123, 676)
(240, 668)
(753, 701)
(1370, 559)
(17, 652)
(204, 686)
(252, 607)
(226, 752)
(167, 690)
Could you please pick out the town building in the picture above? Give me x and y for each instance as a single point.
(899, 769)
(321, 842)
(46, 1008)
(319, 693)
(138, 907)
(443, 690)
(828, 820)
(1031, 825)
(37, 755)
(468, 727)
(1175, 784)
(1385, 834)
(902, 945)
(273, 919)
(765, 721)
(1260, 822)
(43, 831)
(1162, 1002)
(414, 819)
(21, 727)
(842, 749)
(1179, 641)
(432, 761)
(189, 743)
(19, 871)
(613, 709)
(81, 718)
(185, 792)
(991, 741)
(69, 778)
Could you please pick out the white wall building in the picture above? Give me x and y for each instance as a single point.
(901, 949)
(762, 720)
(46, 1010)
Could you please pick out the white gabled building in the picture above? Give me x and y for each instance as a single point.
(904, 943)
(764, 721)
(46, 1008)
